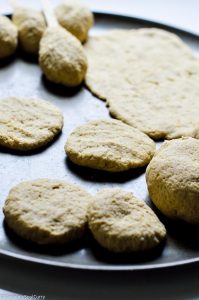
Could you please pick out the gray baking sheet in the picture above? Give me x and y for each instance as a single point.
(22, 77)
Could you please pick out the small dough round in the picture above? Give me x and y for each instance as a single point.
(47, 211)
(31, 26)
(109, 145)
(62, 57)
(76, 17)
(173, 179)
(27, 124)
(122, 223)
(8, 37)
(148, 77)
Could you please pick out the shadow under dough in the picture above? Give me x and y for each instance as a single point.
(180, 233)
(50, 249)
(93, 175)
(60, 90)
(41, 149)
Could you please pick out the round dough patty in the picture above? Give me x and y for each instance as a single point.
(122, 223)
(31, 25)
(173, 179)
(27, 124)
(47, 211)
(148, 77)
(109, 145)
(62, 57)
(75, 17)
(8, 37)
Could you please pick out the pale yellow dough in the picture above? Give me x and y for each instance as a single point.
(47, 211)
(173, 179)
(109, 145)
(62, 57)
(122, 223)
(76, 17)
(149, 78)
(31, 26)
(8, 37)
(27, 124)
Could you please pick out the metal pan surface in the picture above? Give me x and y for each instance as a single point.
(23, 77)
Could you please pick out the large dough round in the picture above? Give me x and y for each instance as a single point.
(173, 179)
(122, 223)
(109, 145)
(8, 37)
(47, 211)
(149, 78)
(31, 26)
(76, 17)
(27, 124)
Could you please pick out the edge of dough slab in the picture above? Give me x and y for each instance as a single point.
(75, 17)
(8, 37)
(109, 145)
(122, 223)
(173, 179)
(62, 57)
(47, 211)
(148, 78)
(27, 124)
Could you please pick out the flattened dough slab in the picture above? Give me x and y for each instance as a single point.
(149, 78)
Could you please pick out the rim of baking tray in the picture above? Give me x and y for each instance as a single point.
(72, 266)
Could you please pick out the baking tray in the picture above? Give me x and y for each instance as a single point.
(22, 77)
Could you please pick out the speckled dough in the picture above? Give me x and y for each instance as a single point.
(173, 179)
(148, 77)
(27, 124)
(62, 57)
(31, 26)
(8, 37)
(47, 211)
(109, 145)
(74, 16)
(122, 223)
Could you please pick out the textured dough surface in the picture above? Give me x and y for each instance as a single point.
(149, 78)
(62, 57)
(8, 37)
(122, 223)
(47, 211)
(109, 145)
(173, 179)
(75, 17)
(31, 26)
(27, 124)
